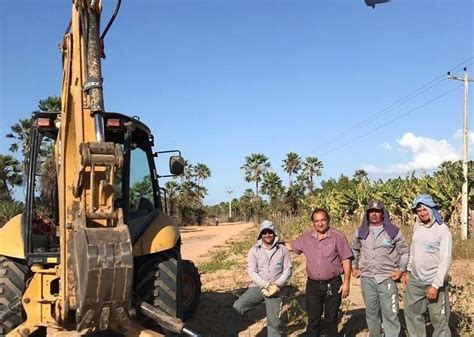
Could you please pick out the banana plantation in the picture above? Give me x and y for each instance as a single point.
(345, 197)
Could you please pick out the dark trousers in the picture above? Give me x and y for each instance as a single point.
(323, 296)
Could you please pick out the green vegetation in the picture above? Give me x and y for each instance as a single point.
(344, 197)
(218, 261)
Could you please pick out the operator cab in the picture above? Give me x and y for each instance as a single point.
(137, 189)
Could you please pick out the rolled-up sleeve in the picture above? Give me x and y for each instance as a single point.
(297, 245)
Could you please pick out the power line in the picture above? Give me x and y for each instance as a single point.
(392, 106)
(391, 121)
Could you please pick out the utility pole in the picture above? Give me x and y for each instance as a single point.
(230, 190)
(464, 206)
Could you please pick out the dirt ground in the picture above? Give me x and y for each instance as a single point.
(200, 240)
(222, 287)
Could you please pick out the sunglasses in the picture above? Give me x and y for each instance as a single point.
(266, 232)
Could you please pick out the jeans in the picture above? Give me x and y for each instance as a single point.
(273, 305)
(323, 296)
(381, 304)
(415, 306)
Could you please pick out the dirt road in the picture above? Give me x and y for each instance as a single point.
(200, 240)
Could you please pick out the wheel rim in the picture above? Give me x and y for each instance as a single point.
(189, 290)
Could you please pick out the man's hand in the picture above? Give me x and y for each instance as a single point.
(344, 289)
(396, 275)
(355, 272)
(405, 278)
(432, 293)
(270, 290)
(273, 289)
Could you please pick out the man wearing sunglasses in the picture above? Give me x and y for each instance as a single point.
(269, 267)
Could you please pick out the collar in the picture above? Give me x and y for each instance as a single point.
(314, 233)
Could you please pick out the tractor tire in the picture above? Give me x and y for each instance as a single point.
(158, 282)
(191, 289)
(13, 276)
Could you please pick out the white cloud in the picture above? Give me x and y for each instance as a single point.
(426, 154)
(386, 146)
(458, 135)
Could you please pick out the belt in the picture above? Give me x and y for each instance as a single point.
(337, 278)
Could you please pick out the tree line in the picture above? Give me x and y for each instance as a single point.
(344, 197)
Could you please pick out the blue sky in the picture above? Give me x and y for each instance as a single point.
(223, 79)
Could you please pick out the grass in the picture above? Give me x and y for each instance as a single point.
(220, 260)
(241, 245)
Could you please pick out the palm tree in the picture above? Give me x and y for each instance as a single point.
(189, 172)
(272, 185)
(10, 175)
(172, 188)
(312, 167)
(255, 166)
(291, 164)
(51, 103)
(20, 132)
(202, 173)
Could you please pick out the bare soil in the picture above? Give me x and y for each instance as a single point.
(201, 240)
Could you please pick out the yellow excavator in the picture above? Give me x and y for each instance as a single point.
(94, 249)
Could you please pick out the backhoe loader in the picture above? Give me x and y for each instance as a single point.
(94, 249)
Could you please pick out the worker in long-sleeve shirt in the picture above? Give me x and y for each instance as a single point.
(380, 259)
(269, 267)
(430, 259)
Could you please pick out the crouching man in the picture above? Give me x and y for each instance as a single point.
(269, 267)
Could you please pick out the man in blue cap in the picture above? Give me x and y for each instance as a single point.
(430, 259)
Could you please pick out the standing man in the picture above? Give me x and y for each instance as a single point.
(269, 267)
(430, 259)
(328, 256)
(380, 258)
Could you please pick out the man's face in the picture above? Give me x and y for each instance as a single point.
(375, 216)
(268, 236)
(320, 222)
(423, 214)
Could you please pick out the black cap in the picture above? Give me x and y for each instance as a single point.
(375, 204)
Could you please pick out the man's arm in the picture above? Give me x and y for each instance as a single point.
(346, 284)
(287, 269)
(345, 253)
(356, 247)
(404, 253)
(445, 249)
(295, 246)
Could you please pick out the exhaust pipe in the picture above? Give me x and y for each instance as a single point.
(166, 321)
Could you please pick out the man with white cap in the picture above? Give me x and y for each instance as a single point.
(430, 259)
(269, 267)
